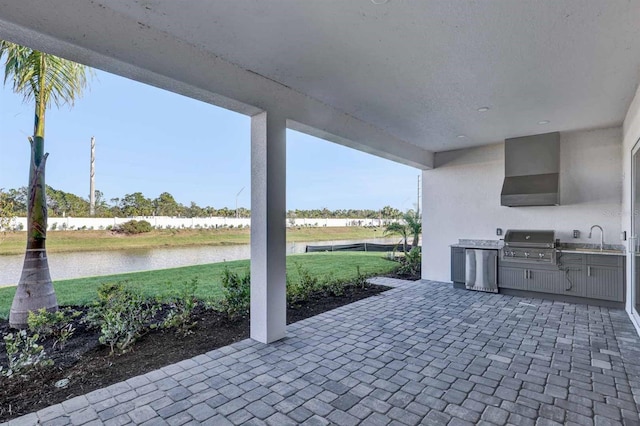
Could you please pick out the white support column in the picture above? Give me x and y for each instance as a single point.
(425, 237)
(268, 227)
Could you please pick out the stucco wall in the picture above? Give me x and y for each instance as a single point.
(631, 134)
(61, 223)
(462, 196)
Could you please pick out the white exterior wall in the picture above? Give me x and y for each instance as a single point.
(462, 196)
(631, 134)
(203, 222)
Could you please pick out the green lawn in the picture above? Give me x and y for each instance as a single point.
(75, 241)
(325, 266)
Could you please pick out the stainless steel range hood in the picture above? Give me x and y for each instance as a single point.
(532, 171)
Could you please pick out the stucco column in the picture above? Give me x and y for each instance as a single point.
(425, 237)
(268, 227)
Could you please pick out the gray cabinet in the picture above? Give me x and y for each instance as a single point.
(582, 275)
(605, 282)
(574, 283)
(545, 281)
(573, 267)
(525, 276)
(457, 265)
(515, 278)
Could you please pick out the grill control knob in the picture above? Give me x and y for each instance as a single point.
(541, 255)
(526, 254)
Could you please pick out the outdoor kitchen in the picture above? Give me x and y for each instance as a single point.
(533, 216)
(534, 263)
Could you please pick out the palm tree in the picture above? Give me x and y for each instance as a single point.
(44, 79)
(414, 223)
(412, 226)
(397, 228)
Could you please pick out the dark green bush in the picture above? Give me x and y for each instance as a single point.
(133, 227)
(236, 293)
(182, 303)
(58, 325)
(361, 279)
(301, 289)
(23, 354)
(122, 314)
(333, 287)
(411, 263)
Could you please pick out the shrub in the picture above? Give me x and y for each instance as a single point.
(333, 287)
(58, 325)
(236, 293)
(23, 353)
(302, 288)
(122, 314)
(361, 279)
(182, 305)
(133, 227)
(411, 264)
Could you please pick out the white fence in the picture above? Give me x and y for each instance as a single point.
(166, 222)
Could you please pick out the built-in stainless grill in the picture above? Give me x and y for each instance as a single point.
(529, 246)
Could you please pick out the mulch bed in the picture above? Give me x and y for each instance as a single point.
(88, 365)
(403, 276)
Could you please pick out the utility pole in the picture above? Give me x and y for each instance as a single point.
(418, 205)
(237, 195)
(92, 179)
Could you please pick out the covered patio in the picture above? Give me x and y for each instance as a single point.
(421, 353)
(435, 85)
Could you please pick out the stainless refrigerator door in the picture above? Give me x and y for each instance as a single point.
(481, 270)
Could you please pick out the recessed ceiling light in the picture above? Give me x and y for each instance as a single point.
(483, 109)
(379, 1)
(462, 137)
(544, 122)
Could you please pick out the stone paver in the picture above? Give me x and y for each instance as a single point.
(421, 353)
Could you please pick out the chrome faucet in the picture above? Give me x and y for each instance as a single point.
(601, 235)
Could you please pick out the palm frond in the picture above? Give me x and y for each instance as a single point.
(30, 71)
(396, 228)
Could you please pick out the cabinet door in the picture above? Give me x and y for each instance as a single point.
(573, 279)
(605, 283)
(515, 278)
(457, 265)
(546, 281)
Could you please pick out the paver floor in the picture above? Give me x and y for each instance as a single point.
(420, 353)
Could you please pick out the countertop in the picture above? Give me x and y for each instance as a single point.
(479, 244)
(610, 249)
(606, 252)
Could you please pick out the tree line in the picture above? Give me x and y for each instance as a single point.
(14, 202)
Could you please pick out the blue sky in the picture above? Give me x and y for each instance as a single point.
(151, 140)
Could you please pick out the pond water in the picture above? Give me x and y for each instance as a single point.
(89, 264)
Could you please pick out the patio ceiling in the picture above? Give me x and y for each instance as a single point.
(402, 79)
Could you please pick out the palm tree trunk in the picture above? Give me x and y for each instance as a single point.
(35, 289)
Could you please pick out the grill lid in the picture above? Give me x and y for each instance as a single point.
(529, 238)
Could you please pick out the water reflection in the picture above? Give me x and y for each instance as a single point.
(88, 264)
